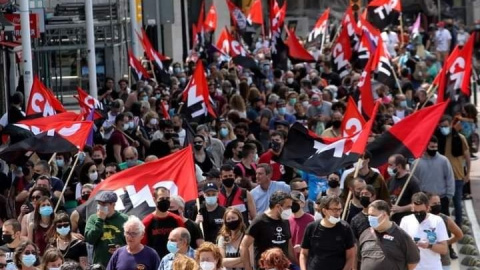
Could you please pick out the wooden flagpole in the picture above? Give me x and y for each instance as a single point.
(407, 182)
(198, 211)
(66, 182)
(349, 196)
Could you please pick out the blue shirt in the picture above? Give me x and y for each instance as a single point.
(146, 259)
(316, 185)
(167, 261)
(262, 197)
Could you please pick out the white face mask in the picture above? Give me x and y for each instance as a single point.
(286, 213)
(333, 220)
(207, 265)
(318, 216)
(93, 176)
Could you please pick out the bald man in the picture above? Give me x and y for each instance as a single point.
(130, 155)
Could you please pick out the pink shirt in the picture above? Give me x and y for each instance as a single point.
(297, 228)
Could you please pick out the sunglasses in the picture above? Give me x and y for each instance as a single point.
(302, 189)
(64, 225)
(34, 198)
(28, 252)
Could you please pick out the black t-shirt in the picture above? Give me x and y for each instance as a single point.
(332, 78)
(327, 246)
(157, 230)
(269, 233)
(395, 186)
(76, 249)
(158, 148)
(9, 253)
(195, 232)
(359, 224)
(353, 211)
(212, 222)
(249, 172)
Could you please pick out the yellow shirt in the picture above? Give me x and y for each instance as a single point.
(458, 163)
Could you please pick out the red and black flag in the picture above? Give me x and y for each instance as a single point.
(342, 53)
(154, 56)
(364, 52)
(197, 105)
(408, 137)
(320, 27)
(135, 186)
(353, 120)
(239, 19)
(42, 102)
(382, 13)
(278, 48)
(366, 102)
(306, 151)
(138, 71)
(296, 52)
(349, 24)
(382, 66)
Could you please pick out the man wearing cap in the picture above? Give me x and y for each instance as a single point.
(442, 41)
(210, 213)
(319, 108)
(281, 115)
(298, 221)
(104, 229)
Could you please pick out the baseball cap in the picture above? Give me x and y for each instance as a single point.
(107, 196)
(297, 196)
(210, 187)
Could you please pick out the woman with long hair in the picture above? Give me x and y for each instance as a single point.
(88, 175)
(52, 259)
(237, 105)
(230, 237)
(43, 217)
(26, 256)
(28, 208)
(68, 244)
(225, 133)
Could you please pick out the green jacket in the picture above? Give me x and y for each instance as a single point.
(100, 233)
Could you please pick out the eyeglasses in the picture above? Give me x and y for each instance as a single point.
(302, 189)
(64, 225)
(28, 252)
(335, 210)
(107, 173)
(132, 234)
(34, 198)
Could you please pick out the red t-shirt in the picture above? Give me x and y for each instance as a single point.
(157, 230)
(277, 169)
(297, 228)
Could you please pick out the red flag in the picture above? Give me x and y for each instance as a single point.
(135, 186)
(90, 101)
(229, 45)
(382, 66)
(353, 121)
(348, 22)
(408, 137)
(165, 113)
(467, 53)
(42, 101)
(197, 100)
(76, 132)
(388, 5)
(296, 51)
(255, 14)
(60, 117)
(152, 54)
(277, 17)
(382, 13)
(195, 33)
(365, 86)
(87, 110)
(371, 32)
(139, 71)
(211, 20)
(320, 26)
(342, 52)
(237, 15)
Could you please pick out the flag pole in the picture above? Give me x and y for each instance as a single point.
(400, 18)
(153, 70)
(397, 81)
(198, 211)
(66, 182)
(324, 34)
(124, 134)
(349, 196)
(407, 182)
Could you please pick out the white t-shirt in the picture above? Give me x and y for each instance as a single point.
(432, 230)
(462, 38)
(442, 38)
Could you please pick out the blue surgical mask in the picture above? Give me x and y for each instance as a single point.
(211, 200)
(145, 98)
(445, 131)
(292, 101)
(131, 163)
(29, 260)
(45, 211)
(183, 80)
(403, 103)
(172, 247)
(63, 230)
(131, 124)
(282, 110)
(177, 70)
(60, 163)
(373, 221)
(158, 96)
(223, 132)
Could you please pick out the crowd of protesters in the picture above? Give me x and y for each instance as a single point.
(254, 213)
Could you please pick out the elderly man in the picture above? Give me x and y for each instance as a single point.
(134, 253)
(130, 155)
(178, 243)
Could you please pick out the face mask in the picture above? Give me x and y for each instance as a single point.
(172, 247)
(183, 80)
(176, 129)
(131, 163)
(305, 104)
(168, 136)
(198, 147)
(286, 213)
(292, 101)
(158, 96)
(403, 103)
(97, 161)
(45, 211)
(282, 110)
(29, 260)
(432, 152)
(374, 221)
(445, 131)
(255, 159)
(85, 197)
(316, 103)
(268, 86)
(317, 216)
(63, 230)
(295, 207)
(211, 200)
(228, 182)
(153, 121)
(163, 205)
(290, 80)
(276, 146)
(207, 265)
(233, 225)
(177, 70)
(420, 216)
(365, 201)
(131, 125)
(223, 132)
(436, 209)
(333, 184)
(35, 176)
(81, 157)
(145, 98)
(125, 126)
(391, 171)
(60, 163)
(93, 176)
(103, 209)
(54, 268)
(333, 220)
(7, 238)
(336, 124)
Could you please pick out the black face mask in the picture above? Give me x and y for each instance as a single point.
(276, 146)
(228, 182)
(7, 238)
(97, 161)
(233, 225)
(295, 207)
(333, 184)
(431, 152)
(35, 176)
(163, 205)
(198, 147)
(420, 216)
(336, 124)
(436, 209)
(85, 197)
(177, 129)
(175, 212)
(365, 201)
(168, 136)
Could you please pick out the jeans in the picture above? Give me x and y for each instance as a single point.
(457, 201)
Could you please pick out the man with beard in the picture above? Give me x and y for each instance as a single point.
(160, 223)
(334, 130)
